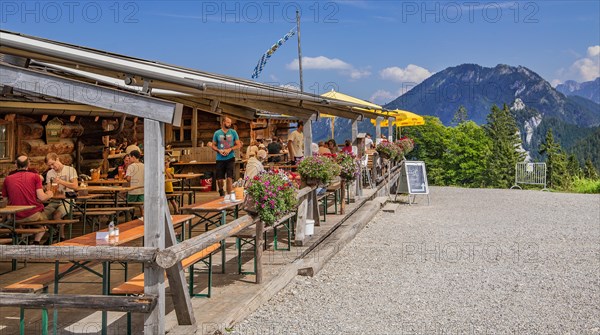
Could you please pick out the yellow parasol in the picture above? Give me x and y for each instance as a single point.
(372, 108)
(406, 118)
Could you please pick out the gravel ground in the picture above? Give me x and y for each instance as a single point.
(476, 261)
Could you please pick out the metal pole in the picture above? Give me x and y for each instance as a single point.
(299, 50)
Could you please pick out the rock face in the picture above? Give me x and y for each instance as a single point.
(477, 88)
(589, 89)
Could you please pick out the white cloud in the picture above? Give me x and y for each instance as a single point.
(291, 86)
(555, 82)
(412, 73)
(382, 96)
(325, 63)
(320, 63)
(358, 74)
(593, 51)
(585, 68)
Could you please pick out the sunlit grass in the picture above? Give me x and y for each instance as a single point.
(582, 185)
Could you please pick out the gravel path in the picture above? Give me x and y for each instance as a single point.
(476, 261)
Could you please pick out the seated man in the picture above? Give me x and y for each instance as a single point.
(24, 188)
(274, 148)
(323, 149)
(64, 179)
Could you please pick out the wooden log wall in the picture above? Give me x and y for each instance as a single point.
(180, 137)
(31, 140)
(91, 147)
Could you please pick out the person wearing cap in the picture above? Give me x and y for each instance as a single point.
(296, 143)
(254, 165)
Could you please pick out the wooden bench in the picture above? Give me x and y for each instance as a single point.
(21, 232)
(191, 194)
(52, 224)
(248, 236)
(39, 284)
(332, 190)
(6, 240)
(95, 214)
(135, 285)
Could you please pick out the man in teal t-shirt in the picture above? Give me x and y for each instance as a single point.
(225, 141)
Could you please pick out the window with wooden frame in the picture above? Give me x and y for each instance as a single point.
(6, 141)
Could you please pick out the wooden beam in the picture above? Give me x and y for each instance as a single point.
(77, 253)
(194, 127)
(170, 256)
(154, 221)
(377, 129)
(93, 302)
(88, 94)
(182, 301)
(49, 105)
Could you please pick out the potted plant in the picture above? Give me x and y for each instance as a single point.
(318, 170)
(348, 166)
(407, 144)
(270, 195)
(386, 150)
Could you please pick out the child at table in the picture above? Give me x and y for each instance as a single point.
(170, 174)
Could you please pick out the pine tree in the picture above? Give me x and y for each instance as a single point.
(556, 162)
(590, 171)
(502, 130)
(573, 166)
(460, 116)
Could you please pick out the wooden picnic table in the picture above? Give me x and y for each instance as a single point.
(107, 182)
(115, 190)
(12, 211)
(186, 179)
(209, 211)
(128, 232)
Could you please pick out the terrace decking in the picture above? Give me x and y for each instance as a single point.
(233, 295)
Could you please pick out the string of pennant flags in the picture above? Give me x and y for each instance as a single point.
(265, 57)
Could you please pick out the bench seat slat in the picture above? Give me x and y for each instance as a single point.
(135, 285)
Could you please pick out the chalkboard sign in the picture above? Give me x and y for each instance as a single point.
(413, 179)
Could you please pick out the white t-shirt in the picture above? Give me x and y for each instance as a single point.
(297, 139)
(67, 173)
(136, 172)
(368, 143)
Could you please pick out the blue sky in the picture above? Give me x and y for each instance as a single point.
(373, 50)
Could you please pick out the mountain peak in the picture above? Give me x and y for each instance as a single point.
(589, 89)
(478, 88)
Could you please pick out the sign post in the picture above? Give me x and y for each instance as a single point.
(413, 180)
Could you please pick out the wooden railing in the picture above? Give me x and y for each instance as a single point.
(168, 258)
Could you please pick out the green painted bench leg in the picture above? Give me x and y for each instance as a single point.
(238, 245)
(22, 322)
(209, 275)
(335, 197)
(44, 321)
(191, 281)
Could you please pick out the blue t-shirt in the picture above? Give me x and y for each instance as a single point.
(225, 141)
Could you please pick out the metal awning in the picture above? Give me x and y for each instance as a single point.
(206, 91)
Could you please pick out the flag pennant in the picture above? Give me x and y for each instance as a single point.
(263, 60)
